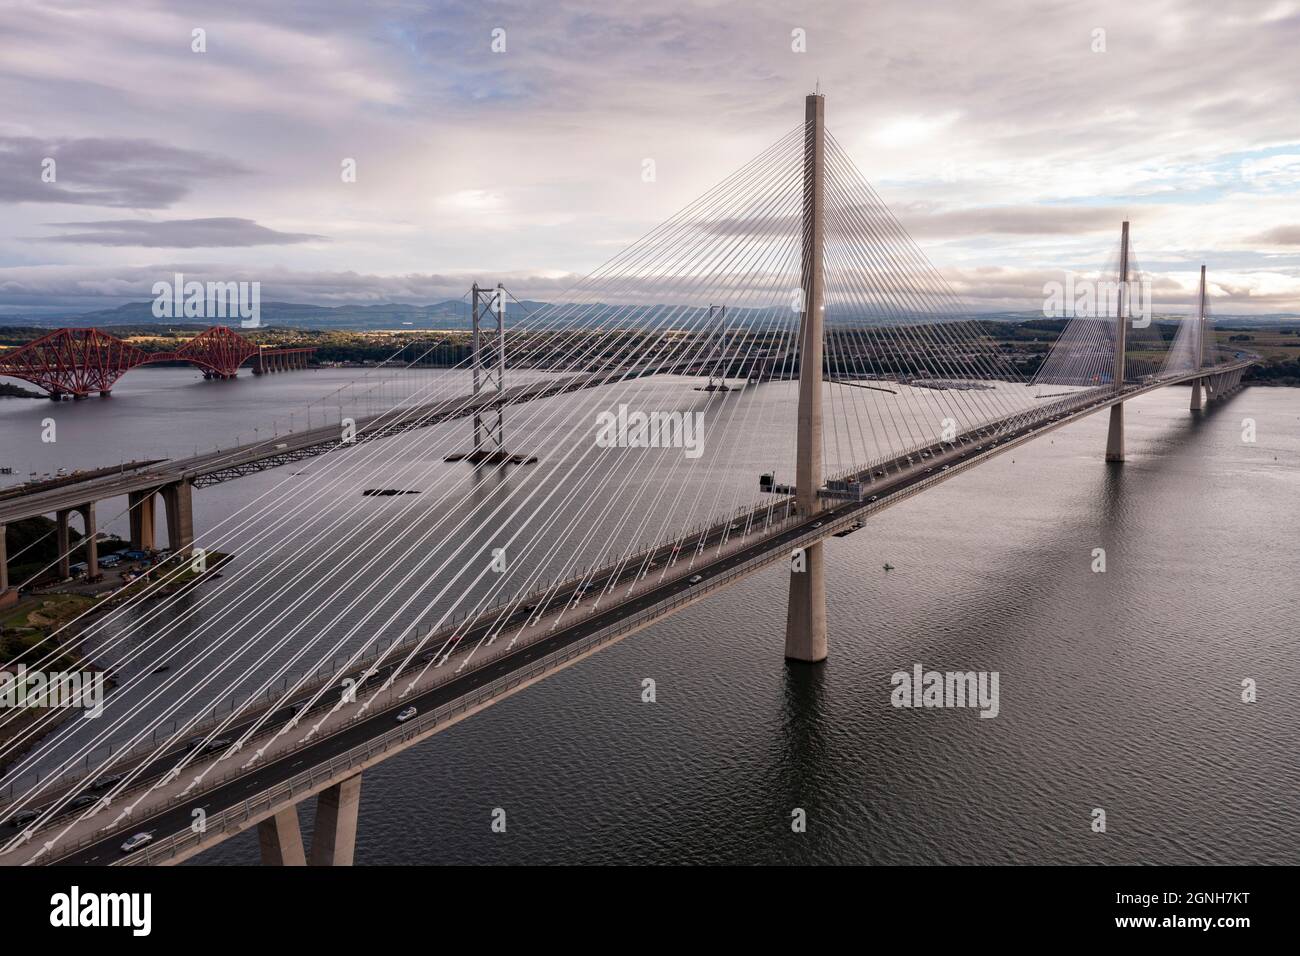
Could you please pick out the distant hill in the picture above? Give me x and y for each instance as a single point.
(454, 314)
(448, 314)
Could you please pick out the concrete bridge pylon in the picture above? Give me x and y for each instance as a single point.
(805, 626)
(1115, 434)
(1199, 385)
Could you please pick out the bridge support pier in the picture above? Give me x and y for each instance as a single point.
(61, 542)
(280, 838)
(178, 500)
(334, 841)
(1198, 394)
(7, 597)
(91, 540)
(805, 618)
(1115, 436)
(143, 520)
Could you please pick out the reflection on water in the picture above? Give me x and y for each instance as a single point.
(1118, 690)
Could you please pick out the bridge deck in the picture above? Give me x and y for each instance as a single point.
(552, 626)
(214, 467)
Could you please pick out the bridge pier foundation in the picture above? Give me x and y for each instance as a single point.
(334, 841)
(1198, 395)
(143, 520)
(805, 619)
(280, 839)
(1115, 436)
(7, 597)
(91, 540)
(61, 542)
(178, 500)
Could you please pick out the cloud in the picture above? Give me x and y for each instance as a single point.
(177, 233)
(922, 220)
(29, 289)
(1278, 236)
(133, 173)
(999, 139)
(104, 287)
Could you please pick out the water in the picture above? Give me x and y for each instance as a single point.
(1119, 690)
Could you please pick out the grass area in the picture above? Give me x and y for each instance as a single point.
(27, 623)
(1274, 344)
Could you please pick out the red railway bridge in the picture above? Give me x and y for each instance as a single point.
(77, 362)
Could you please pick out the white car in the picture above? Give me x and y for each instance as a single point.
(695, 579)
(136, 842)
(406, 714)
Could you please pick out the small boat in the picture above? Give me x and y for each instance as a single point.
(888, 566)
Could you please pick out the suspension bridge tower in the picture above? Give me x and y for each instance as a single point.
(805, 624)
(488, 364)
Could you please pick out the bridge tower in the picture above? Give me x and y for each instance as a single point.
(1115, 437)
(488, 374)
(719, 356)
(1198, 384)
(805, 623)
(488, 365)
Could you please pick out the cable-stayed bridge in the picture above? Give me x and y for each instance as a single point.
(347, 631)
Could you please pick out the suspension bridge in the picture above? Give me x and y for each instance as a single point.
(350, 629)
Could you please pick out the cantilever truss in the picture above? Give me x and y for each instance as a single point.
(79, 362)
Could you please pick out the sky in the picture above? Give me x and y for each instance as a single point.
(1010, 138)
